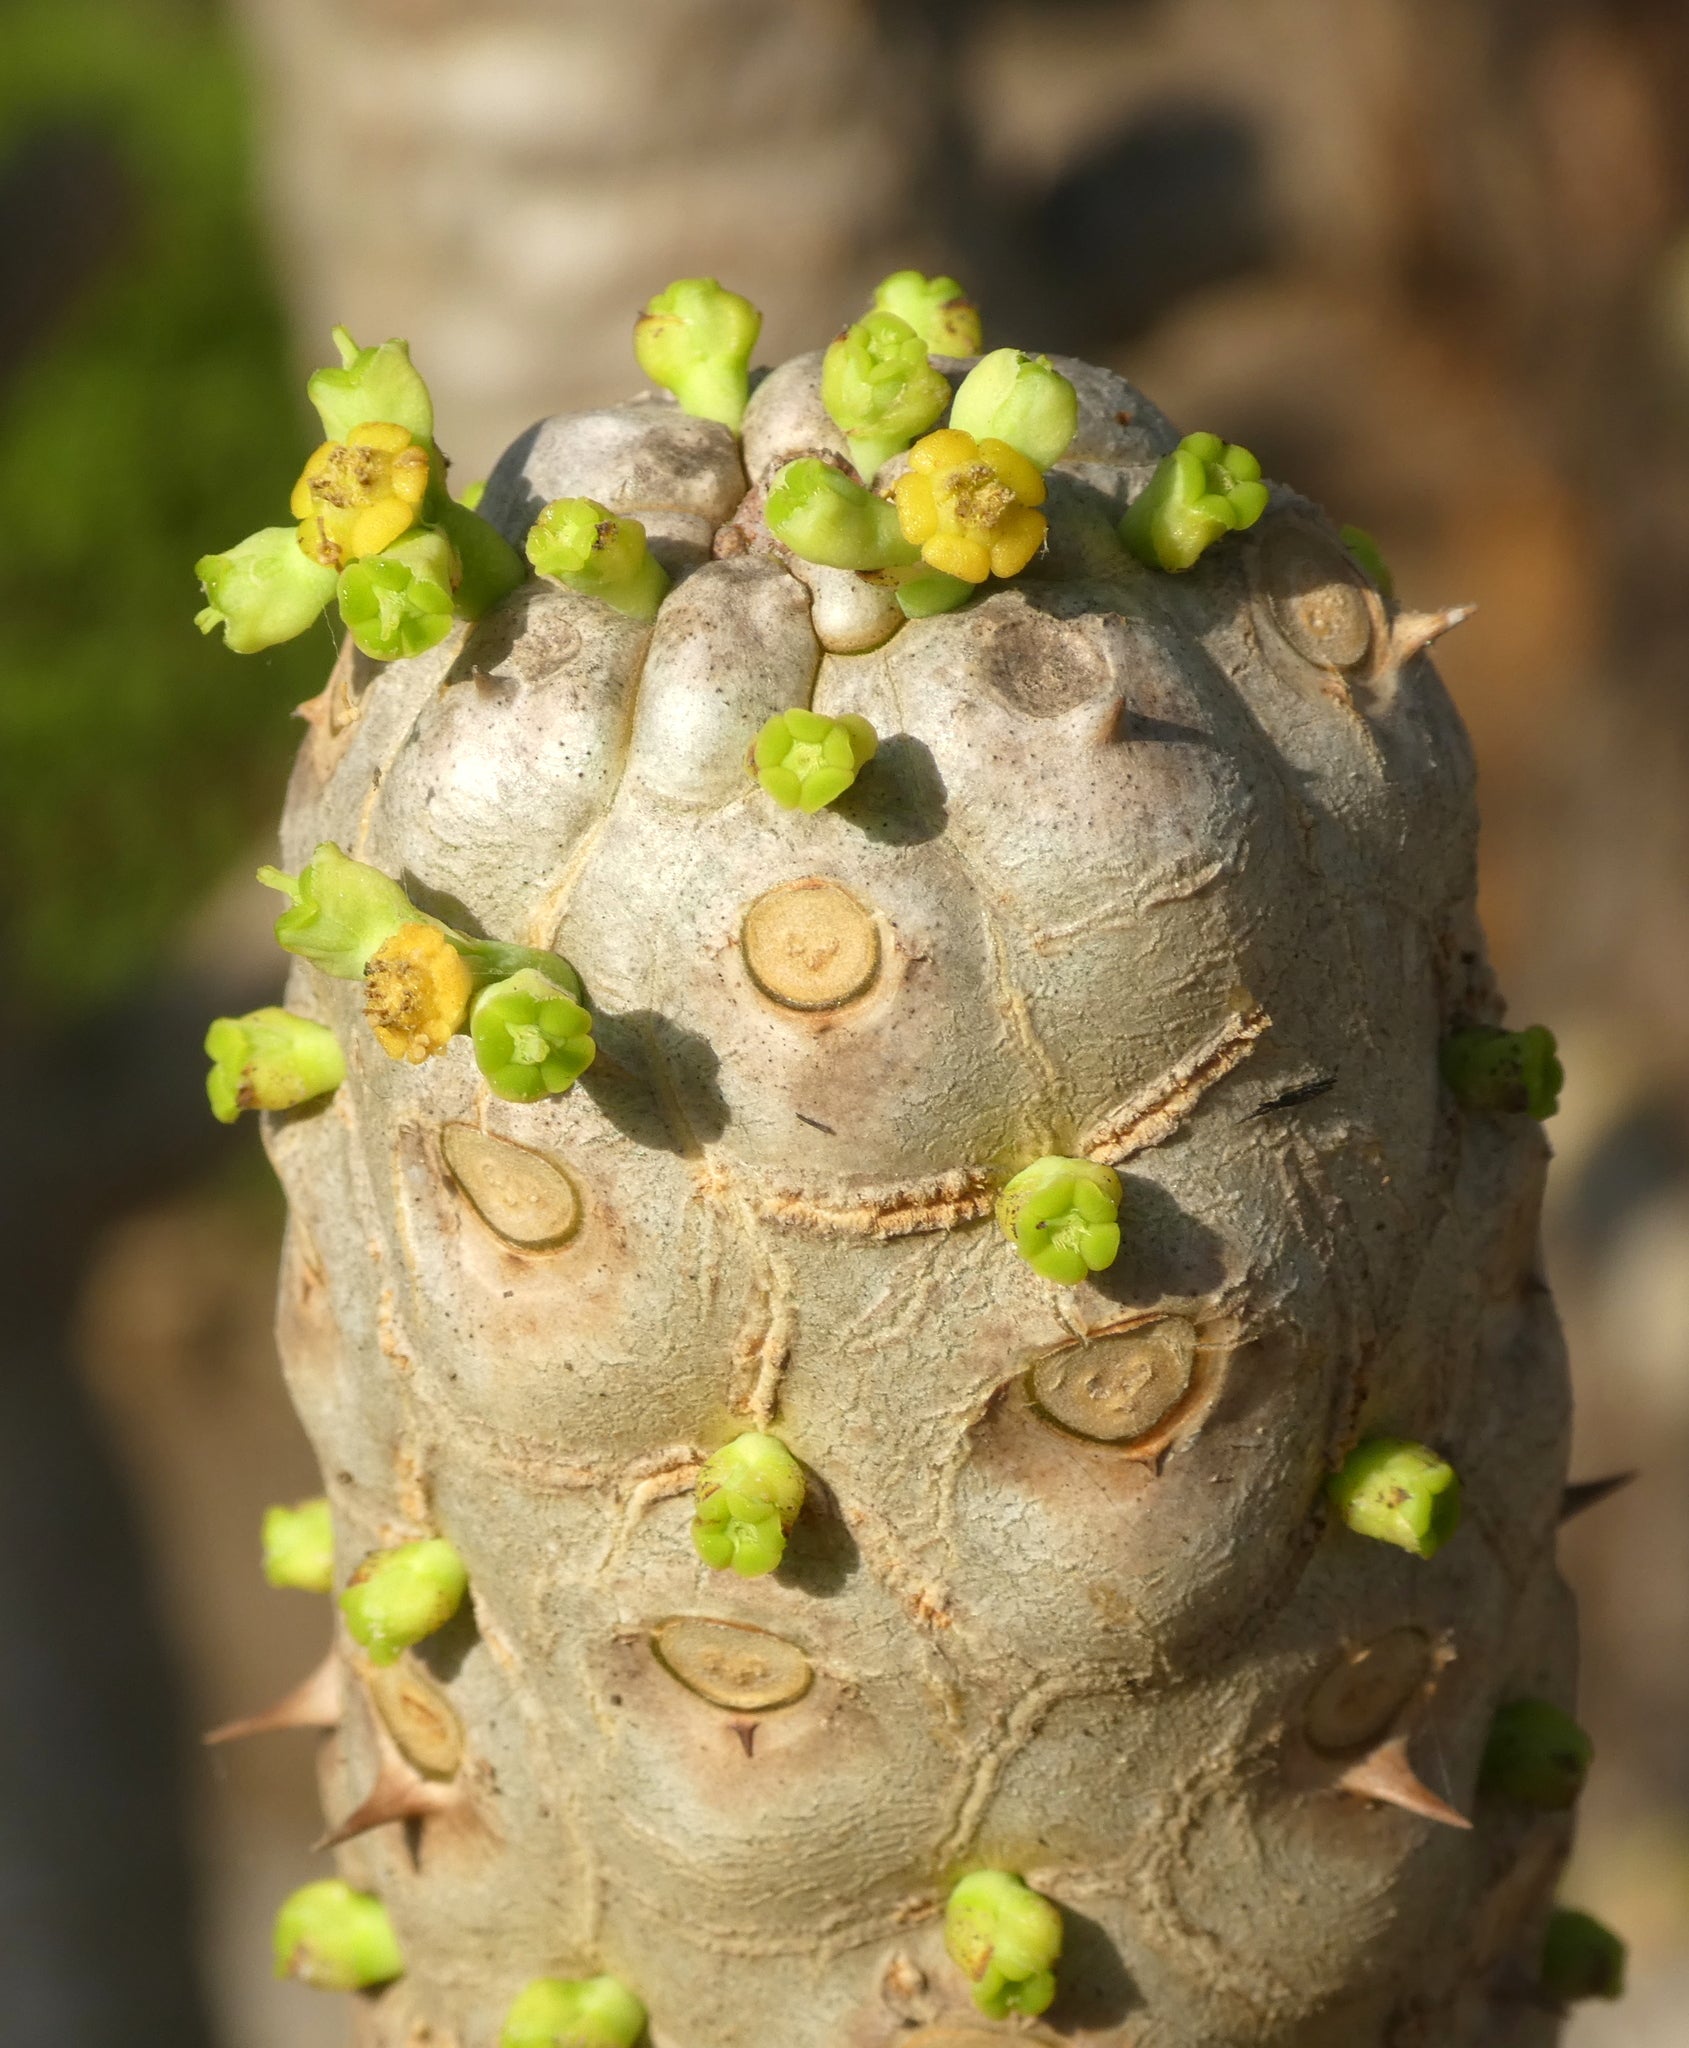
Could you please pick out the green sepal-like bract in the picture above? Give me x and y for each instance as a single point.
(262, 591)
(488, 567)
(880, 390)
(336, 1939)
(269, 1059)
(1504, 1072)
(573, 2012)
(828, 517)
(748, 1496)
(1021, 399)
(1581, 1958)
(341, 911)
(375, 383)
(1063, 1217)
(940, 312)
(597, 552)
(695, 339)
(805, 760)
(1204, 489)
(399, 602)
(1536, 1756)
(1006, 1939)
(531, 1037)
(1398, 1492)
(396, 1597)
(299, 1546)
(1367, 552)
(924, 593)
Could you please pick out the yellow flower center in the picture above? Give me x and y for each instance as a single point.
(416, 993)
(969, 505)
(355, 497)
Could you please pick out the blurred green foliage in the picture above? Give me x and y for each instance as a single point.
(154, 418)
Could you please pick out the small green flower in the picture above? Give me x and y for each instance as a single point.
(880, 390)
(1062, 1216)
(748, 1497)
(531, 1038)
(1021, 399)
(1005, 1938)
(370, 384)
(1581, 1958)
(337, 1939)
(597, 552)
(1398, 1492)
(399, 602)
(804, 760)
(1205, 488)
(262, 591)
(1366, 551)
(1537, 1755)
(937, 308)
(574, 2012)
(341, 911)
(299, 1546)
(396, 1597)
(488, 567)
(1504, 1071)
(269, 1059)
(695, 339)
(828, 517)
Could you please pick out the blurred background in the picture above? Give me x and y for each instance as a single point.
(1429, 258)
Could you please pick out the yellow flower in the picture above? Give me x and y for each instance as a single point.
(968, 505)
(416, 993)
(355, 497)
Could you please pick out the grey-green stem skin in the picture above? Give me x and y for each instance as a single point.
(1137, 864)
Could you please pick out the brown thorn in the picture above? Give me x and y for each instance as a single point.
(746, 1732)
(1385, 1774)
(314, 1703)
(1590, 1493)
(1412, 632)
(400, 1792)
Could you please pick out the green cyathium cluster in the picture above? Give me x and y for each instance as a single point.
(748, 1496)
(1006, 1939)
(396, 1597)
(695, 339)
(299, 1546)
(1504, 1072)
(376, 526)
(805, 761)
(937, 308)
(1398, 1492)
(1536, 1756)
(1063, 1217)
(531, 1038)
(573, 2012)
(1205, 489)
(880, 389)
(329, 1936)
(269, 1059)
(1581, 1958)
(593, 550)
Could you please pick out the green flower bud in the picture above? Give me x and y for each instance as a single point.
(1021, 399)
(940, 312)
(489, 568)
(593, 550)
(695, 339)
(1205, 488)
(1581, 1958)
(1500, 1071)
(335, 1938)
(576, 2012)
(748, 1497)
(828, 517)
(1062, 1216)
(1398, 1492)
(263, 591)
(531, 1038)
(397, 1597)
(399, 602)
(1537, 1755)
(879, 388)
(341, 911)
(1005, 1938)
(804, 760)
(377, 383)
(1366, 551)
(269, 1059)
(299, 1546)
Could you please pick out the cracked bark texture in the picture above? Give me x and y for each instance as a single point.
(1176, 871)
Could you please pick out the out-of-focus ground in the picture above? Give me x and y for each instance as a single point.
(1429, 258)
